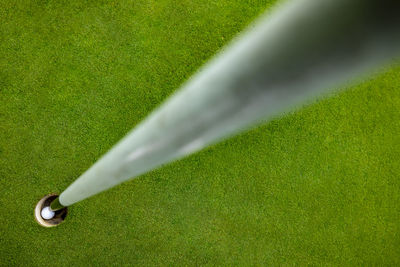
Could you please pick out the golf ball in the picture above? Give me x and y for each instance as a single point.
(47, 213)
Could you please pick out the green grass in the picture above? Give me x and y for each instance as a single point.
(319, 186)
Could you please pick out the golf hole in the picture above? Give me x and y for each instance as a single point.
(44, 203)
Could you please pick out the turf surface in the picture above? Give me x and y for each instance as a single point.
(319, 186)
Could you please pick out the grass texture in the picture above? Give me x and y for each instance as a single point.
(318, 186)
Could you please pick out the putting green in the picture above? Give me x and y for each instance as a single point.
(318, 186)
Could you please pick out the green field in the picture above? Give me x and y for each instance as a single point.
(318, 186)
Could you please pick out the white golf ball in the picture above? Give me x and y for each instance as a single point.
(47, 213)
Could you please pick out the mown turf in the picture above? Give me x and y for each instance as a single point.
(319, 186)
